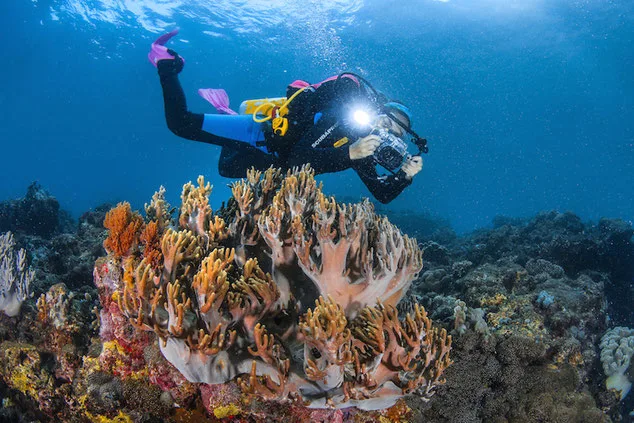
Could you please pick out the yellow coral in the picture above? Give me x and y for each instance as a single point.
(114, 347)
(91, 364)
(574, 358)
(119, 418)
(496, 300)
(21, 368)
(227, 411)
(98, 418)
(20, 380)
(398, 413)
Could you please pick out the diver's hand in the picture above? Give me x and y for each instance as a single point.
(364, 147)
(412, 166)
(170, 66)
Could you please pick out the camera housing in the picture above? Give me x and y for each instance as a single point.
(392, 151)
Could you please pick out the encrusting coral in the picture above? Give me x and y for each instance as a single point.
(284, 290)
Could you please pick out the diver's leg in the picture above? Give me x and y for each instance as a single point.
(223, 130)
(241, 128)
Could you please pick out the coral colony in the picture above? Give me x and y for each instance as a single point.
(286, 292)
(15, 276)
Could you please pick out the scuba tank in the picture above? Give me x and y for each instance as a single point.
(281, 125)
(275, 112)
(247, 107)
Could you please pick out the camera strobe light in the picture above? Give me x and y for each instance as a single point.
(361, 117)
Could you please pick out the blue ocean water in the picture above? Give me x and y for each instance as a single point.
(527, 105)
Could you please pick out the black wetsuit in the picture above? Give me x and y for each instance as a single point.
(313, 139)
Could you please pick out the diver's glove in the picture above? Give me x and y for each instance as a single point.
(172, 66)
(412, 166)
(364, 147)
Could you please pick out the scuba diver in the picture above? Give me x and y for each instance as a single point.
(337, 124)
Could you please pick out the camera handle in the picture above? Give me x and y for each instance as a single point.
(421, 143)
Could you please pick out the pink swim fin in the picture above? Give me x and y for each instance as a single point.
(218, 98)
(158, 51)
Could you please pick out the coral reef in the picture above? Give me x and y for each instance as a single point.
(529, 303)
(57, 248)
(515, 283)
(563, 239)
(501, 379)
(232, 300)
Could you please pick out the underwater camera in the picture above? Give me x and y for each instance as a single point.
(362, 120)
(392, 151)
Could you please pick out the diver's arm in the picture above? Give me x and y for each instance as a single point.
(383, 188)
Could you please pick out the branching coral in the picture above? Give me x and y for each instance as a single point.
(393, 355)
(123, 226)
(15, 276)
(327, 343)
(228, 297)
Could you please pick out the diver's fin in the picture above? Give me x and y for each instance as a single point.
(218, 98)
(158, 51)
